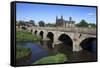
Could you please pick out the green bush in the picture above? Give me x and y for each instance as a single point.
(22, 52)
(58, 58)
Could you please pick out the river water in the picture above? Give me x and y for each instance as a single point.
(37, 52)
(44, 48)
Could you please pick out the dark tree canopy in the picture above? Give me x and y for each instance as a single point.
(82, 23)
(32, 22)
(41, 23)
(22, 23)
(92, 25)
(25, 23)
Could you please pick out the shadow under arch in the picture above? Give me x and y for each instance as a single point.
(35, 32)
(65, 39)
(67, 44)
(50, 35)
(89, 44)
(41, 34)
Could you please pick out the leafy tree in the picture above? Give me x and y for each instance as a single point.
(92, 25)
(41, 23)
(32, 22)
(82, 23)
(22, 23)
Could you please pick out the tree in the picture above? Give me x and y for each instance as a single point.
(82, 23)
(41, 23)
(21, 23)
(32, 22)
(92, 25)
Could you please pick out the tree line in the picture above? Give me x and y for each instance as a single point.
(82, 23)
(32, 22)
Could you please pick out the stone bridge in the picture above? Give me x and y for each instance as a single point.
(76, 36)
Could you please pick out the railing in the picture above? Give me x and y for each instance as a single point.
(74, 29)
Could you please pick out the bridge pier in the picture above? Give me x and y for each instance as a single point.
(45, 35)
(76, 45)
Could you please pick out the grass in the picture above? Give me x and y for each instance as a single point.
(22, 52)
(58, 58)
(26, 36)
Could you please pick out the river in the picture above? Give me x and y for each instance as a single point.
(44, 49)
(37, 52)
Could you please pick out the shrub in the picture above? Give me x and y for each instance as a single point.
(58, 58)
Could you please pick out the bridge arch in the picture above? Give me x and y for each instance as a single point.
(31, 30)
(64, 38)
(41, 34)
(89, 44)
(35, 32)
(50, 35)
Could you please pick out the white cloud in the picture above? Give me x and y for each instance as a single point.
(90, 14)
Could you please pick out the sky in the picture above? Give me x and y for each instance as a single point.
(48, 13)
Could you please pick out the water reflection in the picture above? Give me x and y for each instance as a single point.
(83, 55)
(45, 48)
(37, 52)
(50, 44)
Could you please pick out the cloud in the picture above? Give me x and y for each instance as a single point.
(90, 14)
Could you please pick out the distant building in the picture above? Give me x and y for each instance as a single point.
(65, 23)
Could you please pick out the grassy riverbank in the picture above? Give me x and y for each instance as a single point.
(58, 58)
(22, 52)
(26, 36)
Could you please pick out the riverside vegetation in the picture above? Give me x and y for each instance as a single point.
(58, 58)
(24, 36)
(21, 52)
